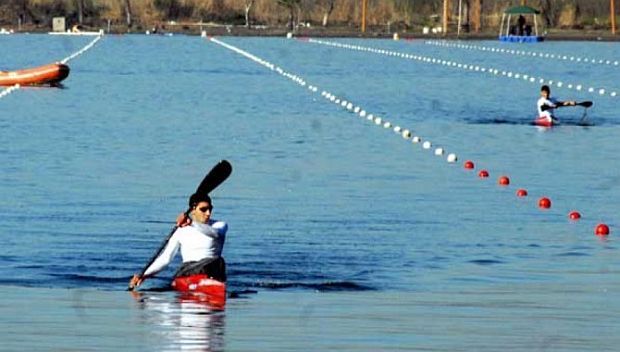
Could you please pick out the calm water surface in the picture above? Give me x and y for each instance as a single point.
(352, 237)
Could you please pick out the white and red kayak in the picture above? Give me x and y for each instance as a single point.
(202, 288)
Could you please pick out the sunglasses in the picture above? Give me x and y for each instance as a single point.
(204, 209)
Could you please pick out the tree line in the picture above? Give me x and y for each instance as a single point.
(396, 14)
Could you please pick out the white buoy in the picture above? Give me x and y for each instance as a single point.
(378, 120)
(416, 139)
(363, 113)
(387, 125)
(451, 158)
(406, 134)
(397, 129)
(439, 151)
(426, 145)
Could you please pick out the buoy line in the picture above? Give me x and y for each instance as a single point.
(9, 90)
(81, 51)
(406, 134)
(477, 68)
(564, 57)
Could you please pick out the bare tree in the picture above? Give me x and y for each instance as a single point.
(248, 7)
(549, 12)
(476, 15)
(128, 15)
(328, 8)
(80, 10)
(291, 6)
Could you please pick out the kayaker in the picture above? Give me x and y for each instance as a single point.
(201, 240)
(546, 104)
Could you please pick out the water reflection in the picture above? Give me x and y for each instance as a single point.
(183, 322)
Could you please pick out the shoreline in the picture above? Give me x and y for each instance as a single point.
(333, 32)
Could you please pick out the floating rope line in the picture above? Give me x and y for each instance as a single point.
(81, 51)
(476, 68)
(572, 58)
(9, 90)
(406, 134)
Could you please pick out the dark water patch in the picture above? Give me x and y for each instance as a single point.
(319, 286)
(472, 279)
(525, 122)
(276, 274)
(573, 254)
(241, 293)
(485, 261)
(497, 121)
(80, 280)
(9, 258)
(166, 288)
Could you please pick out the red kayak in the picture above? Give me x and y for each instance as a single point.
(47, 74)
(202, 288)
(544, 122)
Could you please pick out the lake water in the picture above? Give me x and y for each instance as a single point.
(342, 234)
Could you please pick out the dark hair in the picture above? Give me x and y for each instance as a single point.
(195, 198)
(545, 88)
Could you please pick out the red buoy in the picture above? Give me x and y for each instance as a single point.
(544, 202)
(601, 230)
(574, 215)
(483, 173)
(521, 192)
(504, 181)
(468, 164)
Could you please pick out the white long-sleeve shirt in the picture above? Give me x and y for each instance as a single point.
(196, 241)
(551, 102)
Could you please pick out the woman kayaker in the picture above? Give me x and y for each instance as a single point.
(201, 240)
(546, 104)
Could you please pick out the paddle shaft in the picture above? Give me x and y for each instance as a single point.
(585, 104)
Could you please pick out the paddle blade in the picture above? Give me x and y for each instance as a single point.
(585, 104)
(218, 174)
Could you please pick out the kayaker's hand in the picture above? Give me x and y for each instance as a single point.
(135, 281)
(183, 220)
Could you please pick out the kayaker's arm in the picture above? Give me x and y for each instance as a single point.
(158, 264)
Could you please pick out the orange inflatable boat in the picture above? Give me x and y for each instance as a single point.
(50, 74)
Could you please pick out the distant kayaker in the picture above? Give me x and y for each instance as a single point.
(201, 240)
(546, 104)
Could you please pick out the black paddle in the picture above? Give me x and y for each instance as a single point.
(585, 104)
(218, 174)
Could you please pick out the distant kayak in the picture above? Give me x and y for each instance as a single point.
(47, 74)
(202, 288)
